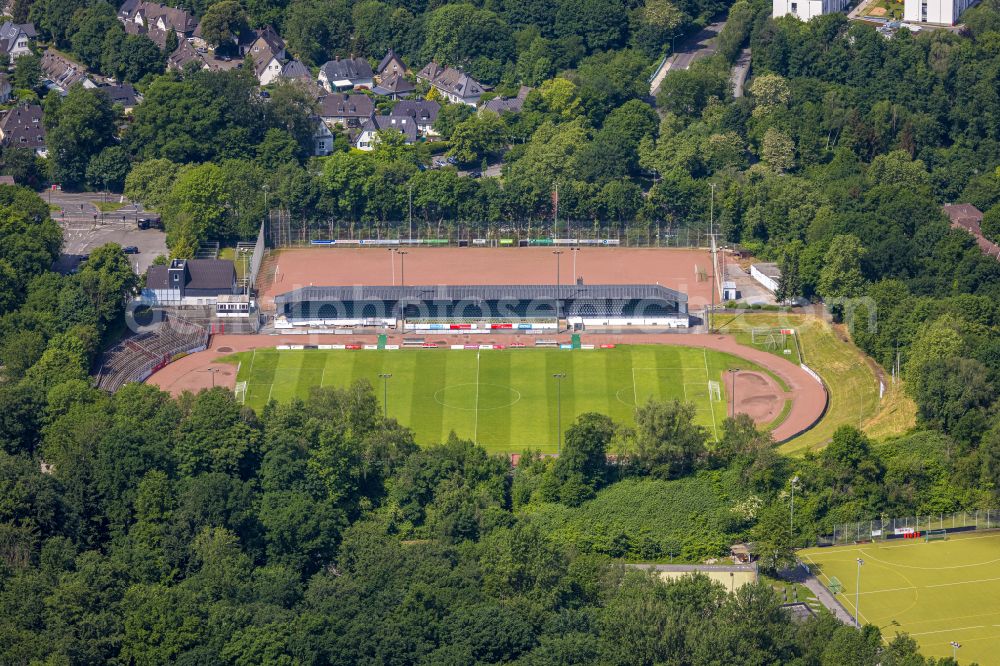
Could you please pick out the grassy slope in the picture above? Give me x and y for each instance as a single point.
(693, 517)
(850, 380)
(513, 405)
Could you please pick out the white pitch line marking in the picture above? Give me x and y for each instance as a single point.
(715, 428)
(475, 430)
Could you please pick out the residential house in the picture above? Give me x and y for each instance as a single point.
(345, 110)
(294, 70)
(394, 86)
(151, 15)
(265, 37)
(367, 139)
(22, 127)
(62, 73)
(390, 65)
(942, 12)
(421, 112)
(500, 105)
(5, 88)
(266, 65)
(269, 42)
(184, 55)
(453, 84)
(322, 138)
(153, 33)
(970, 218)
(127, 9)
(15, 38)
(343, 74)
(123, 94)
(805, 10)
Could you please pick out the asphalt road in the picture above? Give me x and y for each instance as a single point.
(739, 73)
(697, 46)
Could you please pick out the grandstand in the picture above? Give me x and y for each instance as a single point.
(501, 306)
(138, 356)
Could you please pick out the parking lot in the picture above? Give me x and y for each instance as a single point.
(80, 239)
(86, 228)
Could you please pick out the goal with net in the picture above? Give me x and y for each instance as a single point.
(714, 391)
(241, 392)
(771, 338)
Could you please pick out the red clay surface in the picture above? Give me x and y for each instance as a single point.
(757, 394)
(673, 268)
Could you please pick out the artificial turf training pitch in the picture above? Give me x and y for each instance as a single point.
(505, 400)
(938, 592)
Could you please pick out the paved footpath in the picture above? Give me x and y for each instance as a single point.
(799, 574)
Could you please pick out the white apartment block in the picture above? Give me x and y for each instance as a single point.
(806, 9)
(944, 12)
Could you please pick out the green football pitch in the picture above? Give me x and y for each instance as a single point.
(938, 592)
(505, 400)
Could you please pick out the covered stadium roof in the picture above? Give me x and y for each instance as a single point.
(524, 292)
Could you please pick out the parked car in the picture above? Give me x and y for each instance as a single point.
(475, 174)
(130, 249)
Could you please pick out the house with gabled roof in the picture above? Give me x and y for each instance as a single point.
(123, 94)
(164, 18)
(266, 65)
(390, 65)
(22, 127)
(322, 137)
(294, 70)
(15, 38)
(63, 73)
(345, 109)
(343, 74)
(153, 33)
(367, 138)
(500, 105)
(422, 112)
(453, 84)
(394, 86)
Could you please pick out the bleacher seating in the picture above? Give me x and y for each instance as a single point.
(135, 357)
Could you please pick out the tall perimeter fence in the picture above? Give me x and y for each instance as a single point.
(901, 528)
(285, 230)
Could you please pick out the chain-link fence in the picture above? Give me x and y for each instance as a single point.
(897, 528)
